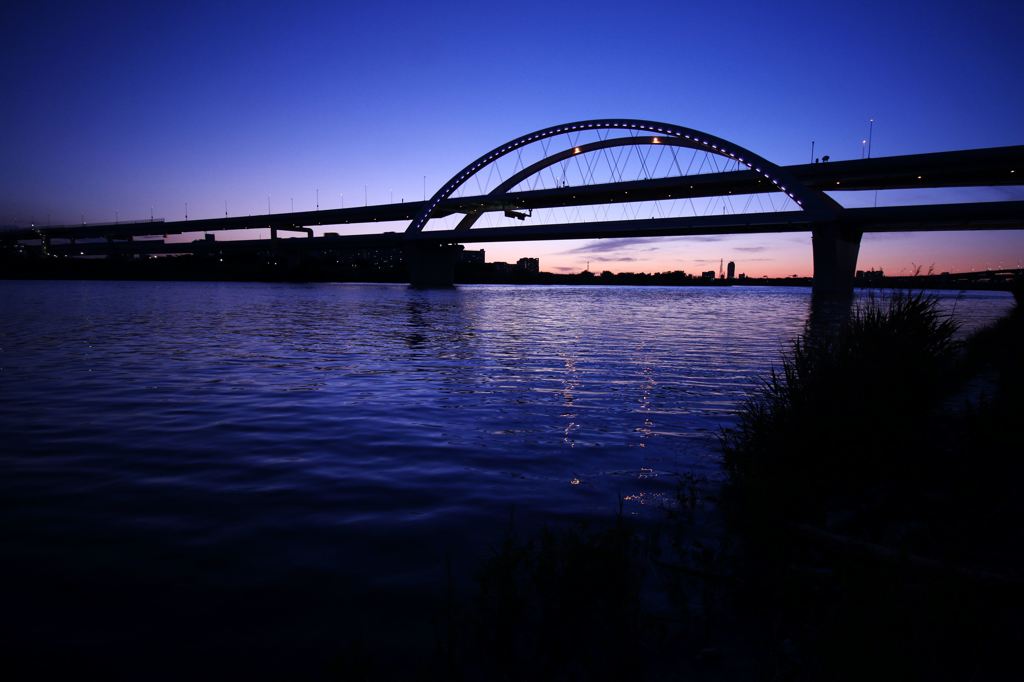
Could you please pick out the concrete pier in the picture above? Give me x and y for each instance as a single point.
(432, 266)
(835, 248)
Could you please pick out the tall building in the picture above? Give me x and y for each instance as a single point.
(732, 271)
(531, 265)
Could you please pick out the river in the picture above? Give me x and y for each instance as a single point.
(246, 457)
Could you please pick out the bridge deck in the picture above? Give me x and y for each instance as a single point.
(997, 166)
(937, 217)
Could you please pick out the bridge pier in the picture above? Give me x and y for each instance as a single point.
(835, 248)
(432, 266)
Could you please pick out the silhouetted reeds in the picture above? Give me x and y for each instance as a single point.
(873, 480)
(841, 403)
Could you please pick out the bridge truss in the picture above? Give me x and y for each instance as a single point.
(590, 155)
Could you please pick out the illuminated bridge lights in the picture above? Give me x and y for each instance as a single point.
(722, 149)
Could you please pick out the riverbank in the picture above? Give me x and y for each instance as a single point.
(203, 269)
(868, 530)
(874, 483)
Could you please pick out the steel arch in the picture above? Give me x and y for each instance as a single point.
(808, 199)
(548, 161)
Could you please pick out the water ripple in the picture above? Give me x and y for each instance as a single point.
(290, 425)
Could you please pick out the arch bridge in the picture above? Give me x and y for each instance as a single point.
(835, 244)
(605, 178)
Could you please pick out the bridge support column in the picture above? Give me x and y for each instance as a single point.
(432, 265)
(835, 248)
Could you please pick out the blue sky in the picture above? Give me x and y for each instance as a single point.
(124, 107)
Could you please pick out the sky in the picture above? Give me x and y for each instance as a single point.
(120, 109)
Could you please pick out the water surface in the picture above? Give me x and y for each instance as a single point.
(169, 446)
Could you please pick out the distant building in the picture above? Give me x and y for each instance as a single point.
(708, 274)
(869, 276)
(475, 257)
(501, 267)
(370, 259)
(531, 265)
(731, 270)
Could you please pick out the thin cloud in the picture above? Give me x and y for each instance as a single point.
(607, 245)
(702, 238)
(716, 260)
(631, 243)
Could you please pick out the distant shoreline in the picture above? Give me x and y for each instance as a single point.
(1002, 280)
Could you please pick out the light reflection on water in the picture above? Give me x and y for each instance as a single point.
(280, 427)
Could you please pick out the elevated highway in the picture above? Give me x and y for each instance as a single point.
(836, 230)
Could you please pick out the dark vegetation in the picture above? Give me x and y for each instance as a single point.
(874, 489)
(841, 407)
(594, 601)
(869, 529)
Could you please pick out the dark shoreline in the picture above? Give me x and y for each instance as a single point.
(205, 270)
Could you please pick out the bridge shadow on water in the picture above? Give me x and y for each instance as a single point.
(828, 313)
